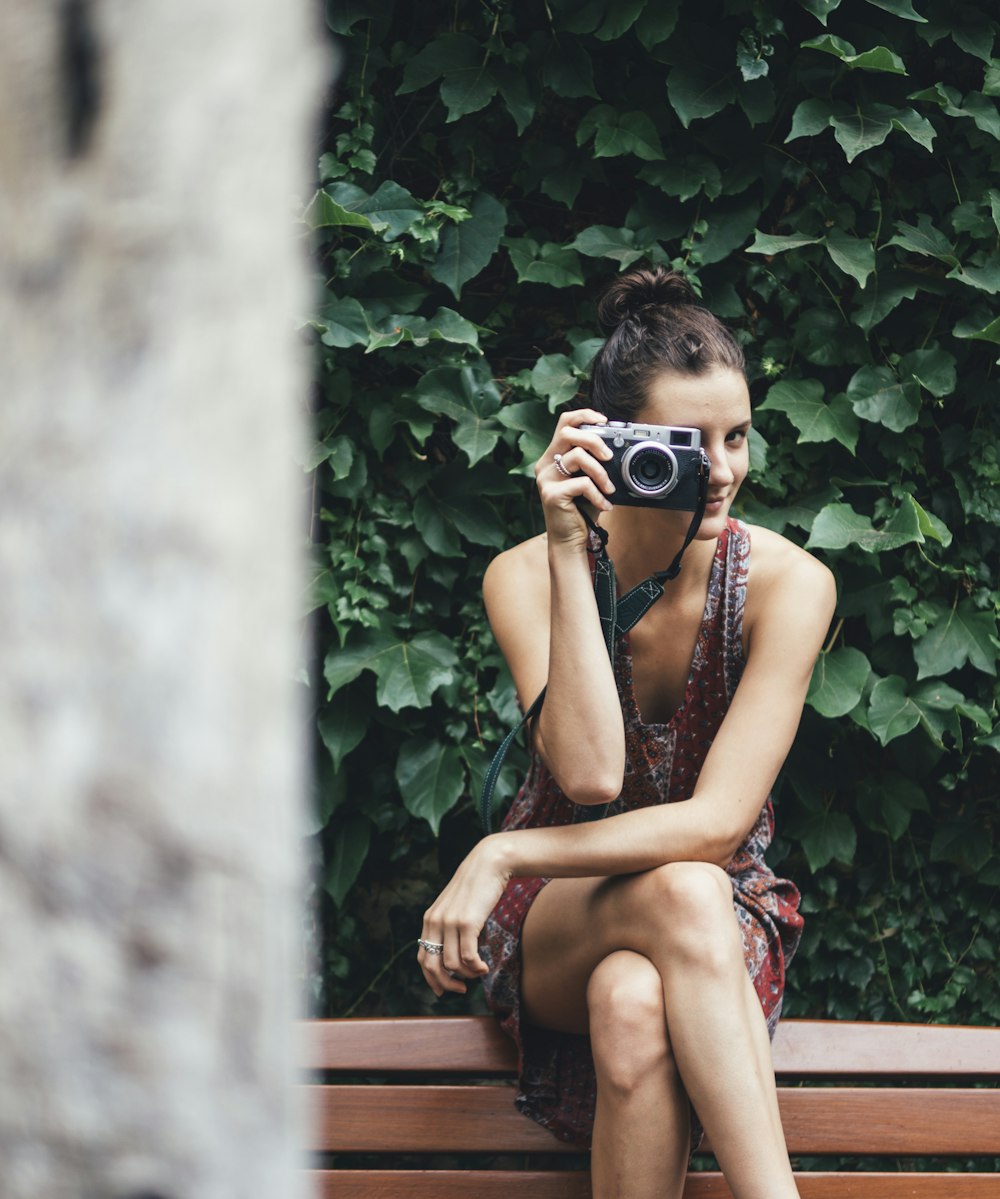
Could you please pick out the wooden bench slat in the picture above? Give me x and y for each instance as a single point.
(813, 1048)
(838, 1120)
(501, 1184)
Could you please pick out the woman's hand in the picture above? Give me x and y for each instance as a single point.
(581, 456)
(456, 918)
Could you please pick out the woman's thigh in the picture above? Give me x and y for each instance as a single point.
(575, 923)
(561, 945)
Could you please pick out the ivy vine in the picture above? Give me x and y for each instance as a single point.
(827, 171)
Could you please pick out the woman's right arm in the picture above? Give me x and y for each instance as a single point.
(540, 602)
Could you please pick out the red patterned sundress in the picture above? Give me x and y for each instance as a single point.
(557, 1083)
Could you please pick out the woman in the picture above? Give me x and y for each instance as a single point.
(638, 960)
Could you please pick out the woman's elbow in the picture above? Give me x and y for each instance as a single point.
(591, 785)
(593, 792)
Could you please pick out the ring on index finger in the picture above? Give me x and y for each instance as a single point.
(557, 462)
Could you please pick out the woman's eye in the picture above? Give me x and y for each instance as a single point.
(737, 436)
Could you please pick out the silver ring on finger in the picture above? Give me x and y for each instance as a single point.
(557, 462)
(430, 946)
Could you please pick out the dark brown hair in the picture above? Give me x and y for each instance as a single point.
(655, 322)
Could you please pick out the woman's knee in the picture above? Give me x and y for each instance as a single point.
(691, 905)
(628, 1026)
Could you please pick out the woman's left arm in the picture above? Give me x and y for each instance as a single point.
(793, 601)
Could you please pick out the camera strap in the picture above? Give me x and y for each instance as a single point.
(617, 615)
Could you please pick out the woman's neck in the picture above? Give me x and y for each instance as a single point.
(644, 540)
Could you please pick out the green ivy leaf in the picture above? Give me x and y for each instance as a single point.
(551, 263)
(685, 177)
(975, 36)
(882, 295)
(868, 127)
(436, 530)
(622, 15)
(602, 241)
(957, 635)
(445, 325)
(470, 399)
(924, 238)
(342, 726)
(657, 22)
(534, 422)
(392, 209)
(811, 117)
(516, 95)
(820, 9)
(930, 525)
(468, 247)
(838, 681)
(577, 17)
(616, 133)
(888, 803)
(968, 843)
(899, 8)
(827, 835)
(468, 89)
(344, 323)
(568, 70)
(555, 377)
(854, 255)
(837, 526)
(454, 52)
(697, 90)
(803, 402)
(979, 327)
(430, 777)
(892, 712)
(350, 848)
(934, 369)
(878, 396)
(770, 243)
(879, 58)
(984, 277)
(323, 212)
(408, 672)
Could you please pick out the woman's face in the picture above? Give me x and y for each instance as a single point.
(717, 403)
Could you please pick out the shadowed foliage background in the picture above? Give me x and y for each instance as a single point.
(827, 171)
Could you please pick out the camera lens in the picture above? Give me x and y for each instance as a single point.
(649, 469)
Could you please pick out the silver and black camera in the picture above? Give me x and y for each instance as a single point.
(654, 466)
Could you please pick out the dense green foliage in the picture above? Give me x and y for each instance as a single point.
(828, 171)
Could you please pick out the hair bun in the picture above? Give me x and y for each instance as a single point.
(642, 288)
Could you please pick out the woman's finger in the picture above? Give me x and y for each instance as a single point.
(566, 490)
(579, 459)
(468, 944)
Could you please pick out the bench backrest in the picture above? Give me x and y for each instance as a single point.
(445, 1085)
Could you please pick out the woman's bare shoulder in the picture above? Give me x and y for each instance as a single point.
(524, 567)
(780, 567)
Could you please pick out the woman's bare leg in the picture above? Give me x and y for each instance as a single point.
(642, 1129)
(679, 916)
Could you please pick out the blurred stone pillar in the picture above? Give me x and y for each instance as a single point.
(151, 155)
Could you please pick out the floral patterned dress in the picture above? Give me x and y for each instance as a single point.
(557, 1085)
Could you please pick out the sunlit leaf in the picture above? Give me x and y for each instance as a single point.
(960, 634)
(804, 402)
(838, 681)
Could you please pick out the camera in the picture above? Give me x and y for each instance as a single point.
(654, 466)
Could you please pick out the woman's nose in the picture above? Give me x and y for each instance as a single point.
(721, 472)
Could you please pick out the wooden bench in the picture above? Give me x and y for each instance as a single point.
(417, 1086)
